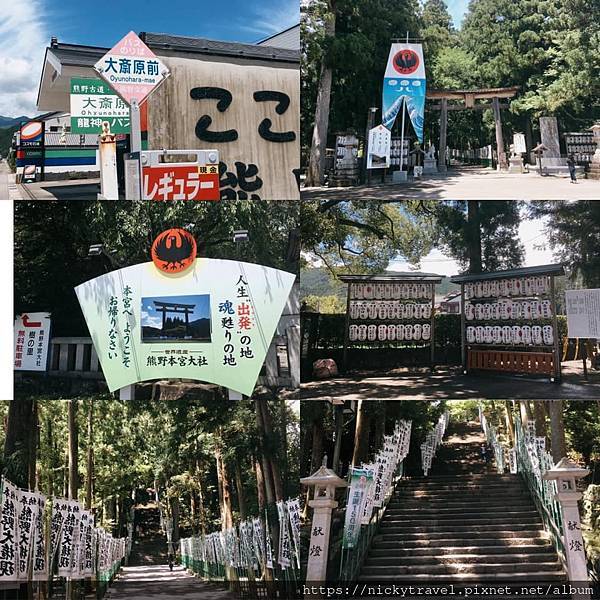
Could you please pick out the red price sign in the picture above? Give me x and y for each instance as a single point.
(177, 182)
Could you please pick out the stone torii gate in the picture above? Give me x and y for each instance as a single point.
(176, 308)
(467, 100)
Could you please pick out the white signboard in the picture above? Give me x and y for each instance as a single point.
(583, 313)
(380, 142)
(32, 338)
(132, 69)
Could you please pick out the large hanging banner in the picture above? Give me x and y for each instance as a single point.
(360, 481)
(285, 543)
(213, 322)
(404, 81)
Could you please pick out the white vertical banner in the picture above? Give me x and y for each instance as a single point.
(8, 532)
(40, 565)
(293, 508)
(284, 537)
(69, 539)
(26, 511)
(368, 504)
(259, 541)
(268, 543)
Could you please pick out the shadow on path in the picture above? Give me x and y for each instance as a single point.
(157, 582)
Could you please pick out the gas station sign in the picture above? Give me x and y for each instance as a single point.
(197, 180)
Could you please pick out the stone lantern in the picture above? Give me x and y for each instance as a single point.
(566, 474)
(594, 172)
(325, 482)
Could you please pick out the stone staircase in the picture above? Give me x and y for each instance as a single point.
(464, 523)
(149, 543)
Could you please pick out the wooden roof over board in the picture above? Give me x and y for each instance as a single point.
(393, 278)
(554, 269)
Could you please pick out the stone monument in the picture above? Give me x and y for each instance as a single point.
(594, 172)
(552, 163)
(515, 162)
(429, 162)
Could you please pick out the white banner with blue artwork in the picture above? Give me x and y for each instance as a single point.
(404, 81)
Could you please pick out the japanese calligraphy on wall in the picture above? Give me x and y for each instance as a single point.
(249, 113)
(32, 338)
(214, 322)
(94, 101)
(583, 313)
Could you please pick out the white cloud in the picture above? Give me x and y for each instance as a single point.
(435, 262)
(269, 20)
(149, 321)
(457, 9)
(23, 40)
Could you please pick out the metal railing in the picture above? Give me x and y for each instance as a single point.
(532, 462)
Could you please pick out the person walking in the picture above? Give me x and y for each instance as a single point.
(170, 562)
(571, 164)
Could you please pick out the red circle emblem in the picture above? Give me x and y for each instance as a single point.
(406, 61)
(174, 250)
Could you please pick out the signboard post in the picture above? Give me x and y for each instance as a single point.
(31, 152)
(134, 72)
(380, 142)
(583, 318)
(32, 339)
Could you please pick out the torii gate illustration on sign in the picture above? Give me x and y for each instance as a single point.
(175, 308)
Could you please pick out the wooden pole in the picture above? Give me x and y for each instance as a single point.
(347, 331)
(499, 137)
(443, 133)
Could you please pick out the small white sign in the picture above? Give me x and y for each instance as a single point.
(32, 339)
(380, 142)
(583, 313)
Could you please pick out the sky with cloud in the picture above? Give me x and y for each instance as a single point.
(26, 27)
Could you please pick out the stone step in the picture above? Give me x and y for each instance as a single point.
(507, 496)
(474, 477)
(461, 568)
(432, 504)
(515, 577)
(443, 548)
(460, 558)
(469, 519)
(486, 533)
(465, 485)
(443, 513)
(465, 526)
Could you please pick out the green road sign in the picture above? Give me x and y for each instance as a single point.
(92, 102)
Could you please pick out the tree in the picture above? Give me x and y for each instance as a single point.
(557, 430)
(481, 236)
(573, 232)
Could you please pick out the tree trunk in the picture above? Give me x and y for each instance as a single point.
(557, 430)
(239, 486)
(90, 458)
(379, 424)
(539, 413)
(361, 435)
(318, 437)
(33, 445)
(260, 486)
(525, 416)
(226, 512)
(266, 468)
(273, 460)
(17, 445)
(510, 425)
(73, 451)
(474, 237)
(316, 163)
